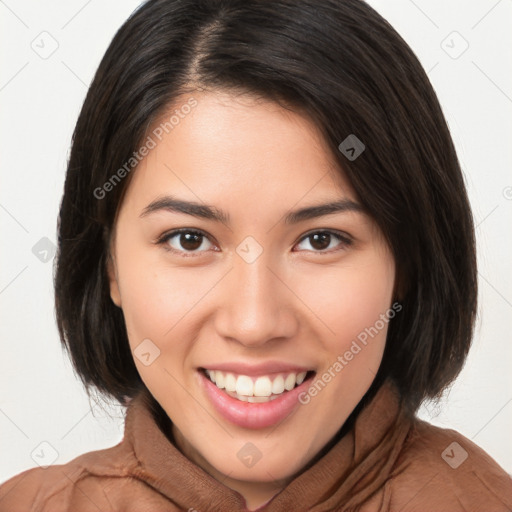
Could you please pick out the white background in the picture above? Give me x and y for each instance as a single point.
(40, 398)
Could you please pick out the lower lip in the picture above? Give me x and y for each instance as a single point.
(253, 415)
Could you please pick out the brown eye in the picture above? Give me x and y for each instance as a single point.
(190, 241)
(322, 241)
(185, 241)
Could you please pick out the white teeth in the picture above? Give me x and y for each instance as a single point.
(219, 379)
(301, 377)
(259, 390)
(252, 399)
(278, 385)
(289, 382)
(257, 399)
(262, 387)
(230, 382)
(244, 386)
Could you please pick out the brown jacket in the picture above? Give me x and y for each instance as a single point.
(385, 463)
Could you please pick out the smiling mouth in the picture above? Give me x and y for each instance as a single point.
(264, 388)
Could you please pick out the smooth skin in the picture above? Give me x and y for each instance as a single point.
(303, 300)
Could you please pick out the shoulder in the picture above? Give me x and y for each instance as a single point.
(80, 485)
(445, 470)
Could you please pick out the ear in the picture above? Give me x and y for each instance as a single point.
(115, 295)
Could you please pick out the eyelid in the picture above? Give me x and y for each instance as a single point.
(345, 239)
(173, 232)
(165, 237)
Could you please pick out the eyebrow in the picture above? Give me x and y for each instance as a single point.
(171, 204)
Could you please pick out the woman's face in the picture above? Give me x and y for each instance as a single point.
(259, 287)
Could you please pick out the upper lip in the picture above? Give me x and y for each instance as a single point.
(253, 369)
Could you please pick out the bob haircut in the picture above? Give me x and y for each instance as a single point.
(337, 62)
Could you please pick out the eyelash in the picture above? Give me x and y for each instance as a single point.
(346, 240)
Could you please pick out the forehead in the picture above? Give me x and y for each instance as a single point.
(229, 150)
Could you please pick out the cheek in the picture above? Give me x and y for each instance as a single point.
(349, 300)
(156, 297)
(158, 305)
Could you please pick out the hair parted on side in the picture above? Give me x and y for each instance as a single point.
(338, 62)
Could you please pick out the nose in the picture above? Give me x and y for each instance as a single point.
(256, 305)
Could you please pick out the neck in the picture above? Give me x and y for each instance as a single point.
(256, 494)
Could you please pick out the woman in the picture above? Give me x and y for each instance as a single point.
(266, 251)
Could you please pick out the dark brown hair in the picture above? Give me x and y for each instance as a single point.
(344, 66)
